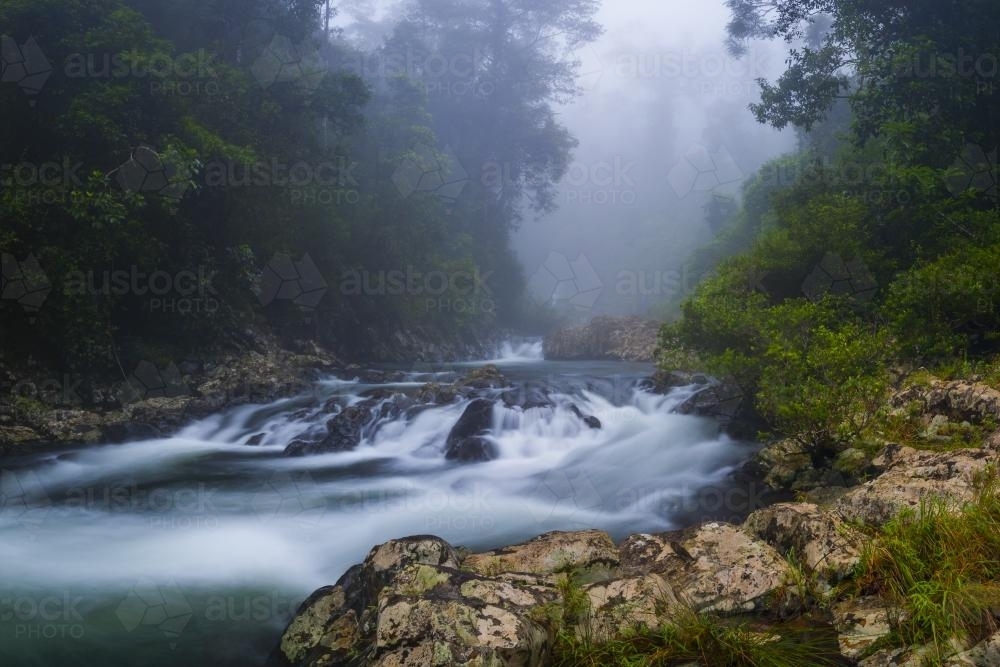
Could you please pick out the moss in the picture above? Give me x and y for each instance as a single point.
(423, 579)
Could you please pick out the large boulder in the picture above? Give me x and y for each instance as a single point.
(409, 605)
(909, 476)
(819, 539)
(332, 625)
(618, 338)
(718, 567)
(643, 601)
(467, 439)
(549, 553)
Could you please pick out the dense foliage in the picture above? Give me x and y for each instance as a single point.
(174, 172)
(853, 255)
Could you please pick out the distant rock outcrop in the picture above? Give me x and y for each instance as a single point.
(616, 338)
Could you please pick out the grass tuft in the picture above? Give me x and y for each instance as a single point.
(941, 567)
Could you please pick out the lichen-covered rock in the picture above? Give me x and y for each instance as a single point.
(984, 654)
(959, 400)
(548, 553)
(788, 464)
(322, 630)
(860, 623)
(818, 538)
(643, 601)
(438, 629)
(484, 377)
(714, 567)
(909, 476)
(335, 621)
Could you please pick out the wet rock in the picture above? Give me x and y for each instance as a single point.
(18, 439)
(355, 422)
(548, 553)
(718, 566)
(819, 539)
(485, 377)
(590, 420)
(437, 394)
(791, 465)
(527, 397)
(255, 440)
(662, 382)
(466, 441)
(323, 630)
(907, 476)
(126, 431)
(618, 338)
(860, 623)
(448, 624)
(363, 582)
(717, 399)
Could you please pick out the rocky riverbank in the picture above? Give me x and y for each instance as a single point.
(41, 408)
(422, 601)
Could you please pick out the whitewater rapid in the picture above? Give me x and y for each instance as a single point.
(205, 512)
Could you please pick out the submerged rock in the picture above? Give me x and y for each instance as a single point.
(347, 428)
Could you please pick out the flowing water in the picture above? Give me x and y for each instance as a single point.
(198, 548)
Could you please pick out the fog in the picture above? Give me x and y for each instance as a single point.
(663, 126)
(659, 92)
